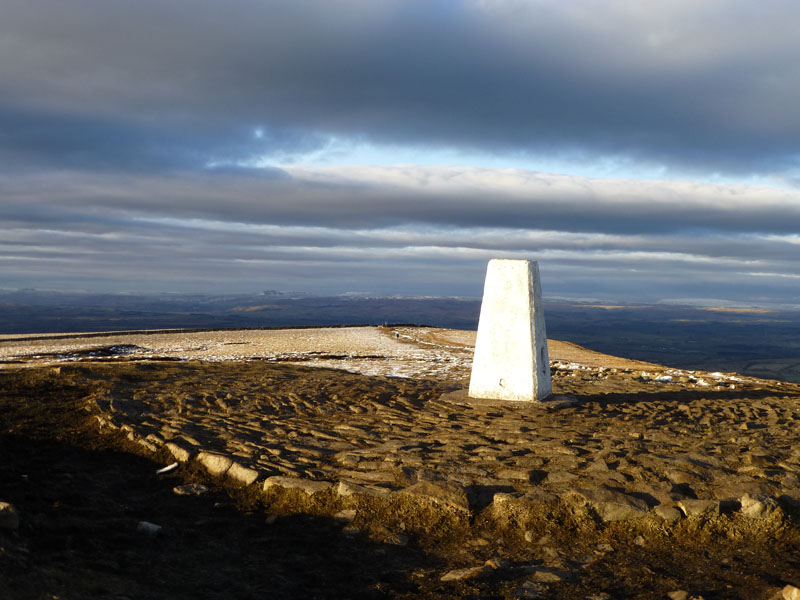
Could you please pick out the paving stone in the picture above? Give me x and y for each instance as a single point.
(560, 477)
(369, 476)
(215, 464)
(242, 474)
(446, 493)
(296, 483)
(514, 474)
(346, 488)
(611, 505)
(178, 452)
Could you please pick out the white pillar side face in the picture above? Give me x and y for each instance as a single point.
(511, 359)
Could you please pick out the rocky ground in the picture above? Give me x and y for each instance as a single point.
(382, 482)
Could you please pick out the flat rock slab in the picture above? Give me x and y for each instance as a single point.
(295, 483)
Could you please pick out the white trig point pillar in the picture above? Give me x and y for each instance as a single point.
(511, 360)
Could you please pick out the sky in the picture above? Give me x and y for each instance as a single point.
(639, 151)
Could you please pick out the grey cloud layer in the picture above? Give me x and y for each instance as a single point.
(368, 197)
(337, 230)
(701, 85)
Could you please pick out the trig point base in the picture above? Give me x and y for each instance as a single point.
(511, 360)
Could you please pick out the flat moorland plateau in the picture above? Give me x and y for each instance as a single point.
(338, 463)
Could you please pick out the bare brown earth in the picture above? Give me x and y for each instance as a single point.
(331, 484)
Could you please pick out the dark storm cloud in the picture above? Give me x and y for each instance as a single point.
(710, 85)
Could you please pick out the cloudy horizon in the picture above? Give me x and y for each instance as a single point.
(639, 153)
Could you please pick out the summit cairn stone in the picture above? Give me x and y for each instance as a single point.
(511, 360)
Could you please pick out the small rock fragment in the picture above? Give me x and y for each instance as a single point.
(691, 507)
(678, 595)
(190, 489)
(530, 535)
(9, 518)
(351, 530)
(167, 469)
(549, 575)
(346, 515)
(396, 539)
(497, 563)
(531, 590)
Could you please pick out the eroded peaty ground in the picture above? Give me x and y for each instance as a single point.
(656, 481)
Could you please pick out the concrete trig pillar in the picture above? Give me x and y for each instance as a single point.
(511, 360)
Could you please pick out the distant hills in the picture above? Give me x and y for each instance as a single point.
(760, 342)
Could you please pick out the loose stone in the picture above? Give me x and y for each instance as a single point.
(468, 573)
(190, 489)
(548, 575)
(532, 590)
